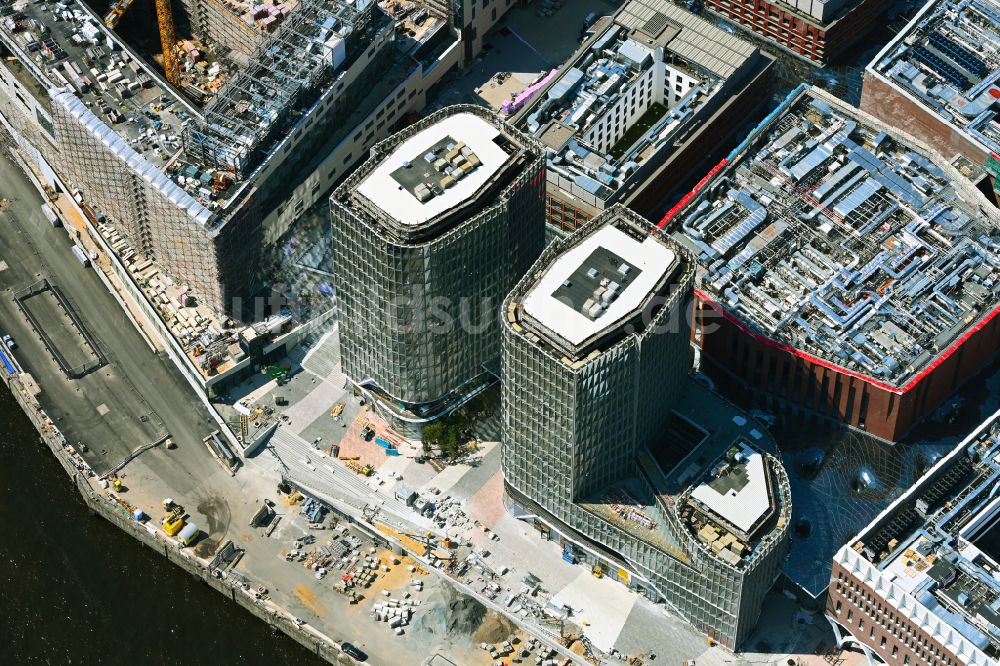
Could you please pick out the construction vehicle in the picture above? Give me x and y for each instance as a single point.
(173, 523)
(165, 20)
(363, 470)
(337, 410)
(598, 571)
(189, 534)
(116, 12)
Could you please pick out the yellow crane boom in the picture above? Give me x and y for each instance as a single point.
(165, 20)
(165, 17)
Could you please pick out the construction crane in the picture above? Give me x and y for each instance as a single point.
(165, 20)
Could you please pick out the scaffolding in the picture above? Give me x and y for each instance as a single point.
(284, 77)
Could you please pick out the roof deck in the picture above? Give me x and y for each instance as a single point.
(737, 489)
(948, 60)
(599, 283)
(598, 288)
(436, 169)
(830, 236)
(437, 174)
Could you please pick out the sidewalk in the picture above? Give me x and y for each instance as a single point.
(73, 219)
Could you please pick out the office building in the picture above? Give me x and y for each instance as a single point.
(815, 30)
(604, 441)
(429, 236)
(845, 268)
(921, 583)
(939, 79)
(640, 108)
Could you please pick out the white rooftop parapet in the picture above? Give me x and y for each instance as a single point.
(406, 208)
(907, 606)
(650, 256)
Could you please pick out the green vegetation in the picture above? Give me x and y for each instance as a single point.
(451, 434)
(446, 435)
(638, 128)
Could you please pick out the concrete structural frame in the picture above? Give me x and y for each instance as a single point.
(204, 191)
(845, 268)
(815, 30)
(639, 107)
(600, 437)
(940, 79)
(919, 585)
(429, 236)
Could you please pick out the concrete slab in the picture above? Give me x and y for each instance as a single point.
(649, 629)
(601, 605)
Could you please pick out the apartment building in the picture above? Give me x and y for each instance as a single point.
(639, 108)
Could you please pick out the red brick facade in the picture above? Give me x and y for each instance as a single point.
(796, 33)
(832, 393)
(892, 107)
(887, 633)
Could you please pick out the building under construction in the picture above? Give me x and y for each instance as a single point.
(267, 107)
(940, 79)
(604, 441)
(844, 267)
(639, 108)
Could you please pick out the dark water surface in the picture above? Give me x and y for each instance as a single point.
(76, 590)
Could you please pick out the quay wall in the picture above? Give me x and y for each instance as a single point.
(80, 475)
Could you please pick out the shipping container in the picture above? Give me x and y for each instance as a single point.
(81, 255)
(51, 216)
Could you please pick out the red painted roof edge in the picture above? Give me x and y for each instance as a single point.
(690, 195)
(826, 364)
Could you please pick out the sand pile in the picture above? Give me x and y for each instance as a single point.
(447, 609)
(495, 628)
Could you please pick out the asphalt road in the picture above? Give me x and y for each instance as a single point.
(139, 395)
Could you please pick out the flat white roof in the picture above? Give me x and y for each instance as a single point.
(650, 256)
(744, 507)
(382, 189)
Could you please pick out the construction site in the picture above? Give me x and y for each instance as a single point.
(939, 79)
(205, 133)
(851, 271)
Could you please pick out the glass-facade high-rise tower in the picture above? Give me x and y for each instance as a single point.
(430, 234)
(608, 444)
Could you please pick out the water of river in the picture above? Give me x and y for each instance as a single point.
(76, 590)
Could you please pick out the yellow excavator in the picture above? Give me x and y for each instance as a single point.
(165, 19)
